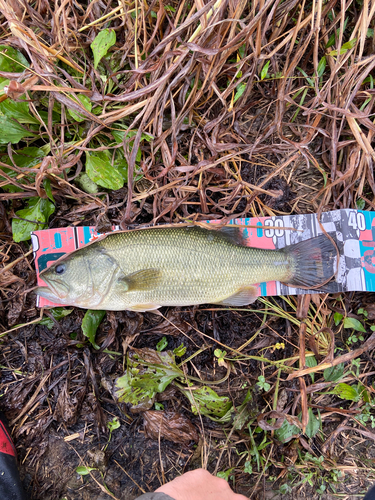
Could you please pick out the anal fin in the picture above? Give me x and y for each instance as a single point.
(144, 307)
(244, 296)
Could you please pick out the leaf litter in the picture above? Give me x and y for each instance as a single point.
(141, 114)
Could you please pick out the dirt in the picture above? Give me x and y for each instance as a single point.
(56, 396)
(72, 401)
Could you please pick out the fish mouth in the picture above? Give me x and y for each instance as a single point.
(55, 289)
(46, 293)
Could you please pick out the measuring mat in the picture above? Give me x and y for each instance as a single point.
(352, 230)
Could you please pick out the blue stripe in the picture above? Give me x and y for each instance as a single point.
(58, 242)
(86, 234)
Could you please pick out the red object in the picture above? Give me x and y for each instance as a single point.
(6, 443)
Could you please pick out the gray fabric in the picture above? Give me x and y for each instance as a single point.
(154, 496)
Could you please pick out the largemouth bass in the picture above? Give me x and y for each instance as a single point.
(145, 269)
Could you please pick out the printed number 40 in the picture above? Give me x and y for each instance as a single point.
(357, 221)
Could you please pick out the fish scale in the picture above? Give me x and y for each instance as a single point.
(197, 266)
(175, 266)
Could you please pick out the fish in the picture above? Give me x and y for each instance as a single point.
(144, 269)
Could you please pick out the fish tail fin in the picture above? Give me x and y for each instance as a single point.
(313, 261)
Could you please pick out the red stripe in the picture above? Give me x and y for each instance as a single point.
(6, 443)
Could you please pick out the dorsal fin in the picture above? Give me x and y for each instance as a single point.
(234, 234)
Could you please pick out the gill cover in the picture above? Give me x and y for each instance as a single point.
(81, 278)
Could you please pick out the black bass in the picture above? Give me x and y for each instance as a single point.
(145, 269)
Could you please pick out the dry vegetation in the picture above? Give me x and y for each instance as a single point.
(194, 111)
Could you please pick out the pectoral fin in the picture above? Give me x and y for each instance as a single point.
(243, 297)
(146, 279)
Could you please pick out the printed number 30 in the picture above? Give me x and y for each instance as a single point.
(270, 233)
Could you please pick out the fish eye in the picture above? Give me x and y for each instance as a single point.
(60, 269)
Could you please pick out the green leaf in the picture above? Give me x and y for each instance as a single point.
(83, 471)
(206, 401)
(101, 44)
(347, 392)
(310, 362)
(120, 162)
(162, 344)
(354, 324)
(264, 72)
(86, 184)
(248, 467)
(287, 432)
(337, 317)
(285, 489)
(36, 217)
(360, 204)
(27, 157)
(17, 110)
(11, 131)
(119, 136)
(240, 89)
(363, 311)
(333, 38)
(122, 166)
(242, 51)
(225, 474)
(218, 353)
(102, 172)
(322, 66)
(86, 103)
(114, 424)
(309, 80)
(243, 415)
(48, 188)
(349, 45)
(90, 323)
(313, 425)
(263, 384)
(334, 373)
(149, 372)
(58, 313)
(344, 48)
(11, 60)
(179, 351)
(24, 158)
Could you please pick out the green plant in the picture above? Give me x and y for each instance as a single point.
(162, 344)
(112, 425)
(90, 324)
(263, 384)
(226, 474)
